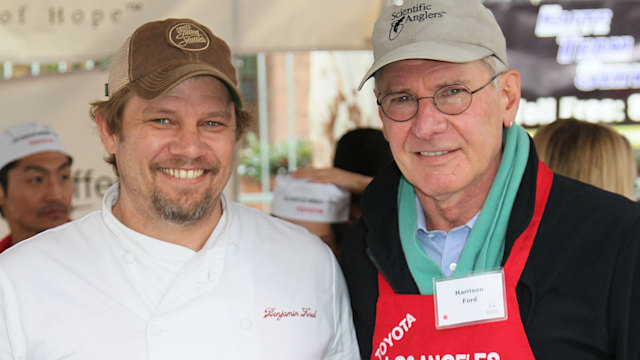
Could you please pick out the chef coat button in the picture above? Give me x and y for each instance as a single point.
(245, 324)
(453, 266)
(233, 248)
(129, 258)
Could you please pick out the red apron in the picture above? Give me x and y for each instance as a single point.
(405, 324)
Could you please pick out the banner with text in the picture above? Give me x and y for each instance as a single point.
(577, 59)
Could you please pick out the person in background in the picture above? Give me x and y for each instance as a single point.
(592, 153)
(468, 246)
(360, 154)
(35, 181)
(169, 268)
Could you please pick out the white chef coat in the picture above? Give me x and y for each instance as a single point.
(260, 288)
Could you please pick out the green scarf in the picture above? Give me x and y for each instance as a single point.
(485, 246)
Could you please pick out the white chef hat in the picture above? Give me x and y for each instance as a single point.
(299, 199)
(23, 140)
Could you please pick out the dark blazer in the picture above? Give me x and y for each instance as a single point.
(579, 293)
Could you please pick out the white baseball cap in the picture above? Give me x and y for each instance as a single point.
(23, 140)
(299, 199)
(457, 31)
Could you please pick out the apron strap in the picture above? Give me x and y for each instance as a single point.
(383, 286)
(520, 251)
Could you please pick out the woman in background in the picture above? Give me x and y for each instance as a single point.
(592, 153)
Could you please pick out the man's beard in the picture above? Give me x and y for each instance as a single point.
(182, 210)
(178, 213)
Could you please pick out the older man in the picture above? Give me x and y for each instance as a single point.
(469, 247)
(35, 181)
(169, 268)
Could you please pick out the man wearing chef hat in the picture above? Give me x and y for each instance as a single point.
(35, 181)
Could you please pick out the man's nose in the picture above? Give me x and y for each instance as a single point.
(56, 187)
(428, 120)
(187, 142)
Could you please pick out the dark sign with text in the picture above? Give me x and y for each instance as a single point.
(578, 59)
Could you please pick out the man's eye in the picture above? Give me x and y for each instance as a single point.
(453, 91)
(162, 121)
(401, 98)
(35, 180)
(211, 123)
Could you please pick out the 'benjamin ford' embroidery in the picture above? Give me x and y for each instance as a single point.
(304, 312)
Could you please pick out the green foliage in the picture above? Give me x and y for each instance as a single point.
(250, 156)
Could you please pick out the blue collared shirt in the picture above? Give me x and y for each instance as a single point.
(444, 248)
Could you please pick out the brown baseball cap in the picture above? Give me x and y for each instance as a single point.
(161, 54)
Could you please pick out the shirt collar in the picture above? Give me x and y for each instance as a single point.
(422, 223)
(123, 232)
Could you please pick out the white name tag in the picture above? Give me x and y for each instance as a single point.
(470, 300)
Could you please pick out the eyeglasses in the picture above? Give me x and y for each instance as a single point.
(450, 100)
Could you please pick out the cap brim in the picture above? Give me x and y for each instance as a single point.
(160, 82)
(14, 157)
(429, 50)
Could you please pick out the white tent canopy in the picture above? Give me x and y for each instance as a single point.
(77, 30)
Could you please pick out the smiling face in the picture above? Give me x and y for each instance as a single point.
(174, 155)
(38, 196)
(448, 156)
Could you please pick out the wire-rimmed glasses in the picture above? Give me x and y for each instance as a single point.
(450, 100)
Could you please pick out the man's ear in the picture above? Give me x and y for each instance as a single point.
(109, 139)
(2, 196)
(510, 96)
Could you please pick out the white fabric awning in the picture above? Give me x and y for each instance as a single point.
(77, 30)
